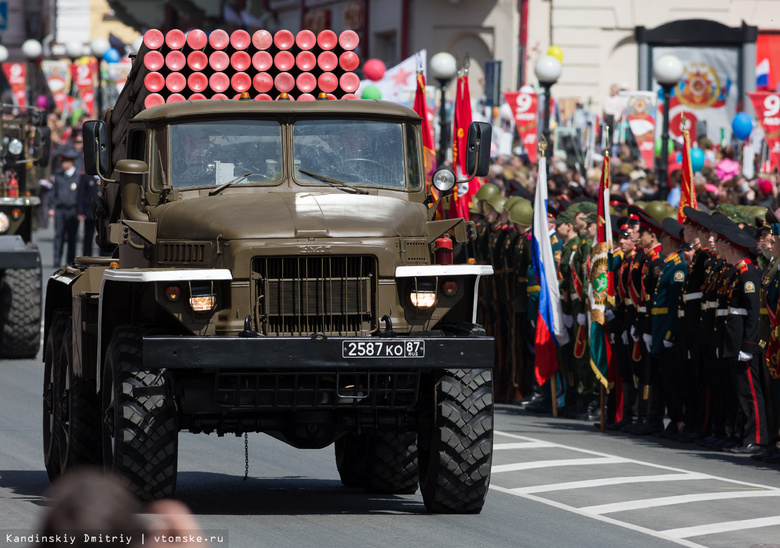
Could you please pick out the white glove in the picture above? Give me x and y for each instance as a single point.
(667, 344)
(624, 336)
(648, 341)
(633, 332)
(568, 320)
(689, 354)
(717, 352)
(581, 319)
(744, 357)
(609, 315)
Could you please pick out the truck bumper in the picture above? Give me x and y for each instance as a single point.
(14, 253)
(318, 353)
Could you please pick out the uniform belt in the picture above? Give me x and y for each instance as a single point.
(659, 310)
(721, 312)
(681, 313)
(763, 311)
(737, 311)
(533, 288)
(692, 296)
(628, 301)
(523, 279)
(641, 309)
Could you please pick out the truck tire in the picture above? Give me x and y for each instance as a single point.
(52, 426)
(385, 462)
(456, 440)
(140, 430)
(80, 417)
(20, 336)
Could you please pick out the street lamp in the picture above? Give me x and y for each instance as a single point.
(32, 50)
(547, 69)
(99, 47)
(444, 66)
(667, 71)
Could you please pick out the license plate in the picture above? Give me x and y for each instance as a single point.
(361, 348)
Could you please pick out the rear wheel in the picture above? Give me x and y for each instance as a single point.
(20, 314)
(80, 441)
(52, 383)
(456, 440)
(140, 423)
(384, 462)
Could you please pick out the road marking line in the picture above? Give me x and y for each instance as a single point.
(677, 499)
(605, 519)
(585, 484)
(725, 527)
(522, 445)
(554, 463)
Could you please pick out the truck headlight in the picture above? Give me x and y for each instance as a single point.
(15, 147)
(203, 303)
(5, 223)
(423, 298)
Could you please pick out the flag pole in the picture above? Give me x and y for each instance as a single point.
(542, 146)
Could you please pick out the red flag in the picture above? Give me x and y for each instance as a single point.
(459, 206)
(767, 107)
(429, 154)
(524, 109)
(687, 189)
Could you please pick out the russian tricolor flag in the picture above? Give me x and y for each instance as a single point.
(550, 331)
(762, 75)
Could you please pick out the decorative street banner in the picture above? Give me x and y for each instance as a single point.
(56, 73)
(16, 73)
(707, 91)
(640, 106)
(524, 107)
(767, 107)
(82, 73)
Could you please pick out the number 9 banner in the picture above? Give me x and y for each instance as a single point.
(767, 107)
(524, 110)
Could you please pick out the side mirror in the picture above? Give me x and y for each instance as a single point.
(42, 145)
(478, 149)
(96, 157)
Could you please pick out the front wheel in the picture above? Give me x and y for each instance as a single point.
(52, 387)
(140, 422)
(382, 462)
(20, 312)
(456, 440)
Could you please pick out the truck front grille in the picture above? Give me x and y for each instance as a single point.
(317, 390)
(301, 296)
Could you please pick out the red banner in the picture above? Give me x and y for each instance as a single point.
(639, 113)
(767, 107)
(16, 73)
(56, 72)
(82, 74)
(524, 108)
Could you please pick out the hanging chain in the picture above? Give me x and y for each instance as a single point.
(246, 456)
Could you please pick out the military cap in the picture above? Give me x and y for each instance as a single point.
(719, 218)
(585, 207)
(773, 222)
(645, 220)
(591, 218)
(673, 228)
(703, 219)
(69, 153)
(620, 226)
(736, 237)
(729, 210)
(690, 215)
(564, 217)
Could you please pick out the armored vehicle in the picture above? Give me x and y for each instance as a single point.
(272, 271)
(25, 144)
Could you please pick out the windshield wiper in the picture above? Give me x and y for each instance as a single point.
(341, 185)
(223, 186)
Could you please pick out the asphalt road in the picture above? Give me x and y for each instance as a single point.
(555, 482)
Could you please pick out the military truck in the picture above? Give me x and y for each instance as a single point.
(273, 271)
(25, 143)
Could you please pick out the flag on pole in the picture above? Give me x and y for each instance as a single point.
(550, 331)
(601, 289)
(687, 188)
(429, 150)
(461, 202)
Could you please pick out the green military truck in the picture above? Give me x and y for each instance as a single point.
(25, 144)
(273, 271)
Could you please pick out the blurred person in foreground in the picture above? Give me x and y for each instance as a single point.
(91, 509)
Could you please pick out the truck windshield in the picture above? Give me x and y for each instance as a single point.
(213, 153)
(354, 152)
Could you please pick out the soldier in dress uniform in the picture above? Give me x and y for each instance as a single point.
(571, 240)
(740, 347)
(772, 350)
(499, 229)
(481, 253)
(666, 298)
(689, 341)
(585, 383)
(625, 315)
